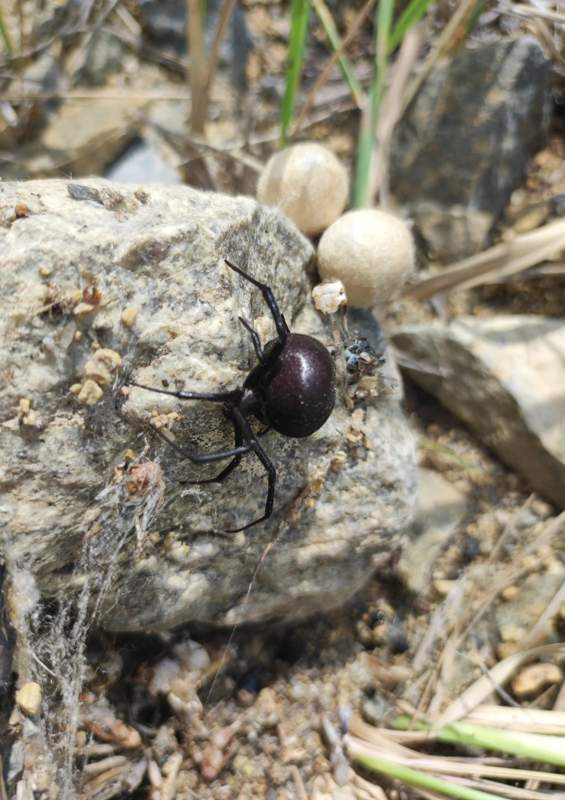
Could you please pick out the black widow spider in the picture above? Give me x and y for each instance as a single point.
(291, 389)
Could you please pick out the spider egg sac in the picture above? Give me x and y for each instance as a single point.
(371, 252)
(306, 182)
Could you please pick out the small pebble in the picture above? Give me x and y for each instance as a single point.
(443, 586)
(21, 210)
(509, 592)
(329, 296)
(90, 393)
(534, 678)
(129, 315)
(511, 632)
(24, 407)
(110, 358)
(371, 252)
(28, 698)
(98, 372)
(306, 182)
(81, 309)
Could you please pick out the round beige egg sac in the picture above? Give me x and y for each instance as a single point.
(371, 252)
(306, 182)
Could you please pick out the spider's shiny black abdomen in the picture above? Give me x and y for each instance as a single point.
(298, 391)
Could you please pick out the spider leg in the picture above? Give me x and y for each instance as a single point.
(254, 445)
(254, 338)
(233, 463)
(206, 458)
(267, 292)
(217, 397)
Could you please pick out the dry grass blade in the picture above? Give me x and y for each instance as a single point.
(392, 106)
(549, 268)
(450, 34)
(503, 259)
(363, 738)
(497, 676)
(461, 630)
(225, 15)
(322, 78)
(457, 777)
(3, 792)
(543, 625)
(198, 70)
(523, 10)
(365, 790)
(532, 720)
(498, 788)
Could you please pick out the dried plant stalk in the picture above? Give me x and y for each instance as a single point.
(506, 258)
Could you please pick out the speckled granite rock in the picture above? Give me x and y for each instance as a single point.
(94, 269)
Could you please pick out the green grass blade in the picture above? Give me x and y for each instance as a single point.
(300, 14)
(535, 746)
(5, 36)
(332, 33)
(412, 14)
(370, 118)
(425, 781)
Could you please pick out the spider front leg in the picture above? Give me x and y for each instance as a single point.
(215, 397)
(267, 292)
(255, 339)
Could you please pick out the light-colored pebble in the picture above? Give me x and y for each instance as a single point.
(28, 698)
(98, 372)
(24, 407)
(534, 678)
(81, 309)
(129, 315)
(371, 252)
(109, 358)
(443, 586)
(90, 393)
(329, 296)
(511, 632)
(306, 182)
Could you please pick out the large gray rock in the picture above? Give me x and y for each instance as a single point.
(78, 260)
(504, 378)
(465, 142)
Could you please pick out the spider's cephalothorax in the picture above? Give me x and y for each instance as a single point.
(291, 389)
